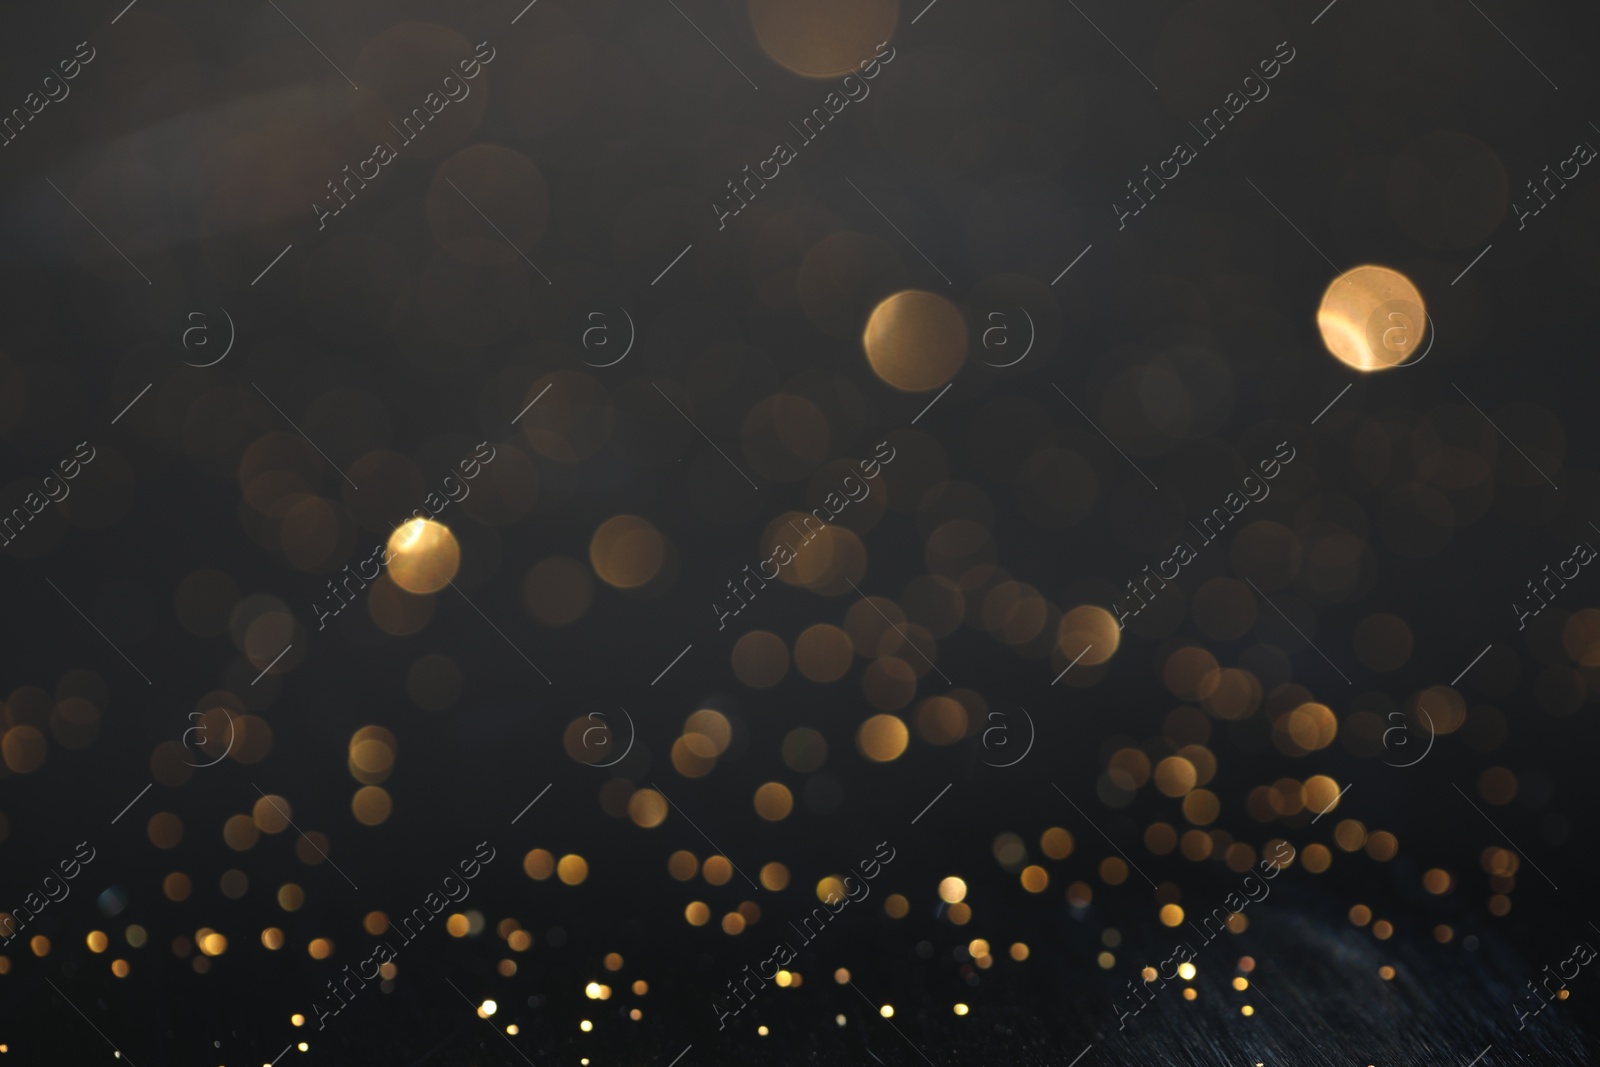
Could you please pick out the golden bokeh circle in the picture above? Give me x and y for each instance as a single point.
(823, 38)
(626, 551)
(1089, 632)
(882, 738)
(1372, 318)
(423, 556)
(915, 340)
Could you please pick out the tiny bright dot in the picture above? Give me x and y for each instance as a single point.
(762, 1030)
(1186, 971)
(961, 1009)
(887, 1011)
(1241, 984)
(586, 1026)
(1247, 1010)
(489, 1007)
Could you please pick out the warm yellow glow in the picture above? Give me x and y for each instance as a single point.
(572, 869)
(916, 340)
(1186, 971)
(952, 890)
(423, 556)
(1089, 632)
(825, 39)
(882, 738)
(1372, 318)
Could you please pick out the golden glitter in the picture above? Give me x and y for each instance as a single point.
(1372, 318)
(718, 870)
(774, 877)
(682, 865)
(423, 556)
(916, 341)
(1056, 843)
(572, 869)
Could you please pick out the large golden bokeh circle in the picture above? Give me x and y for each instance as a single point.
(823, 38)
(627, 551)
(1088, 634)
(916, 340)
(423, 556)
(1372, 318)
